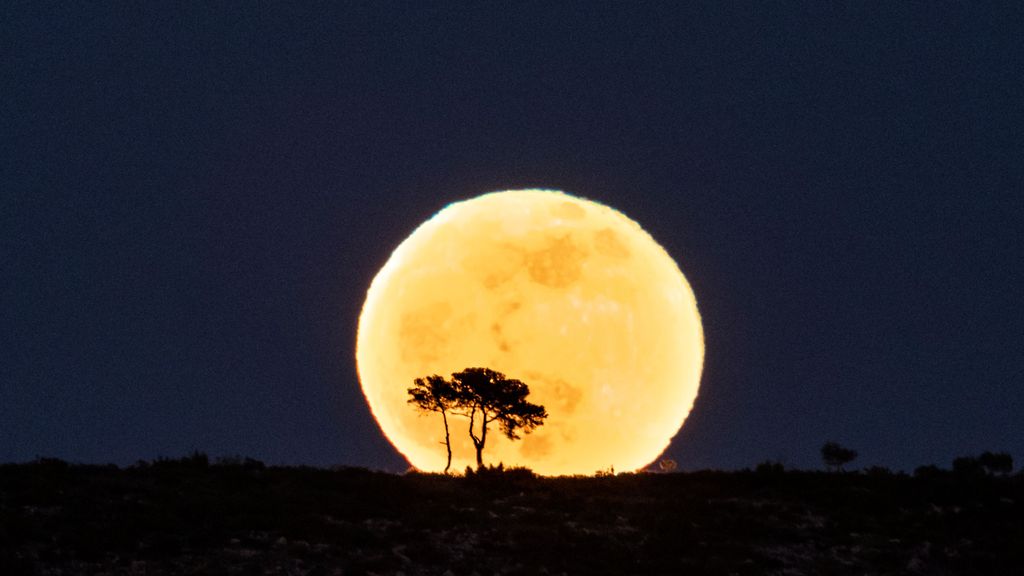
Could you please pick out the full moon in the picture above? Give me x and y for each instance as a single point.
(567, 295)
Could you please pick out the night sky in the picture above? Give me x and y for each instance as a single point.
(194, 201)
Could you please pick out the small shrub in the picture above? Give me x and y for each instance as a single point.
(996, 463)
(968, 466)
(197, 459)
(878, 471)
(499, 475)
(770, 467)
(51, 464)
(928, 471)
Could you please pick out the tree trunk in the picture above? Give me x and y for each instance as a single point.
(483, 440)
(478, 443)
(447, 442)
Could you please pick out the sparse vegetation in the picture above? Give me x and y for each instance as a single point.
(991, 463)
(239, 516)
(968, 466)
(927, 471)
(770, 467)
(996, 462)
(877, 471)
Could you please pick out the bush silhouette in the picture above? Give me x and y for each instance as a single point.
(770, 467)
(878, 471)
(928, 471)
(996, 462)
(967, 466)
(989, 463)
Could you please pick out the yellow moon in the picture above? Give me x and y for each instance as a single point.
(565, 294)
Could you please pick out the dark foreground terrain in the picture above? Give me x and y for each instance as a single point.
(189, 517)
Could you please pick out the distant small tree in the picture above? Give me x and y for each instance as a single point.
(836, 456)
(489, 396)
(435, 394)
(996, 462)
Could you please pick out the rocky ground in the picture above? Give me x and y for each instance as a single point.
(190, 517)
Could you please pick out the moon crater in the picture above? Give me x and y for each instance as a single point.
(558, 264)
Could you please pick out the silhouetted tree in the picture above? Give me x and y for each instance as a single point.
(836, 456)
(996, 462)
(490, 396)
(435, 394)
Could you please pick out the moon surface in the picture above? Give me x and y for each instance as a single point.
(565, 294)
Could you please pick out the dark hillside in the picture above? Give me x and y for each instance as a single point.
(190, 517)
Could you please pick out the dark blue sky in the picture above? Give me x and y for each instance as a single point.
(193, 201)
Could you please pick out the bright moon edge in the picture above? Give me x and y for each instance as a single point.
(383, 354)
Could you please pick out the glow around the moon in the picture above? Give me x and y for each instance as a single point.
(565, 294)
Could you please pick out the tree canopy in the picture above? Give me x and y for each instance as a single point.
(496, 399)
